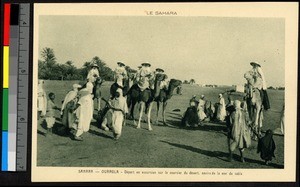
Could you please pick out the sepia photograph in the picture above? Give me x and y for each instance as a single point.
(163, 93)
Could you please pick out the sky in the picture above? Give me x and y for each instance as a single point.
(211, 50)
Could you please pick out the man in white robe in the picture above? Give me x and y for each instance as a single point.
(42, 99)
(68, 116)
(84, 113)
(221, 113)
(119, 109)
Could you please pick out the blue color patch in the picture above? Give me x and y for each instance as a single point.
(4, 163)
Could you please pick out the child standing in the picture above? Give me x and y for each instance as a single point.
(50, 112)
(266, 147)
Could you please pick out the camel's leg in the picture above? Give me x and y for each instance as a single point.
(141, 114)
(99, 103)
(242, 155)
(257, 117)
(133, 103)
(149, 116)
(164, 112)
(229, 150)
(260, 117)
(157, 110)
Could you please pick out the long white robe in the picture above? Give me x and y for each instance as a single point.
(221, 113)
(42, 100)
(92, 74)
(118, 116)
(120, 74)
(84, 113)
(68, 117)
(260, 76)
(69, 97)
(89, 87)
(201, 113)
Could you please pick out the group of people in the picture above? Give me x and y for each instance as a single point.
(203, 110)
(235, 115)
(78, 107)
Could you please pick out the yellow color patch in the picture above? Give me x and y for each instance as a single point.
(5, 66)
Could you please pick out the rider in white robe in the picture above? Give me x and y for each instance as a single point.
(93, 74)
(120, 73)
(143, 76)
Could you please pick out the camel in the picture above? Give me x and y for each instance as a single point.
(97, 91)
(163, 97)
(254, 100)
(146, 98)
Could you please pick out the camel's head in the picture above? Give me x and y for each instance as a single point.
(160, 77)
(175, 82)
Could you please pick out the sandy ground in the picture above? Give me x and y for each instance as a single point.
(166, 146)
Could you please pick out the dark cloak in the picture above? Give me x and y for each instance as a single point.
(266, 146)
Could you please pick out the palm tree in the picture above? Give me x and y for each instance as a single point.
(99, 62)
(86, 64)
(48, 56)
(69, 63)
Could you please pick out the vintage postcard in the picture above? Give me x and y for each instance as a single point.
(164, 92)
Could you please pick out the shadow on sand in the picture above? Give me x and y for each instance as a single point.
(100, 134)
(210, 127)
(218, 154)
(57, 129)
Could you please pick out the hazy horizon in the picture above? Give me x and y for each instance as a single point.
(211, 50)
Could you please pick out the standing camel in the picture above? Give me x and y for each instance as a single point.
(97, 92)
(164, 96)
(146, 98)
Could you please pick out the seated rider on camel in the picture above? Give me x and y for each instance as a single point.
(144, 76)
(256, 79)
(120, 74)
(164, 83)
(93, 73)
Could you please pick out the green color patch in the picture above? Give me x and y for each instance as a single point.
(5, 110)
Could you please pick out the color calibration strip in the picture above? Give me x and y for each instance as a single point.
(5, 98)
(12, 50)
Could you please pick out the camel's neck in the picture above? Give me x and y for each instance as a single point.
(156, 87)
(170, 91)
